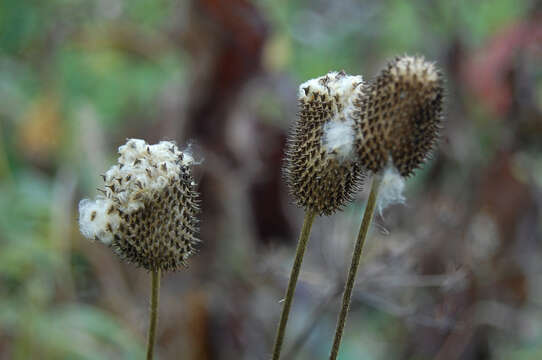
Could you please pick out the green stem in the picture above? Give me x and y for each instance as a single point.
(154, 313)
(300, 251)
(365, 223)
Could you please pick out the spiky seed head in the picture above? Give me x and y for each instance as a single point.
(148, 210)
(320, 166)
(399, 115)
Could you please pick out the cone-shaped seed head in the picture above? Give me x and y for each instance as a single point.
(399, 115)
(320, 167)
(148, 210)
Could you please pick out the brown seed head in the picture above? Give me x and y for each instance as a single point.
(320, 167)
(149, 211)
(399, 115)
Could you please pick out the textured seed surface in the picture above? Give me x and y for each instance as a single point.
(322, 176)
(399, 115)
(148, 210)
(163, 234)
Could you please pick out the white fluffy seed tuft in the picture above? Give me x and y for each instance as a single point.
(336, 85)
(97, 221)
(339, 138)
(142, 171)
(391, 189)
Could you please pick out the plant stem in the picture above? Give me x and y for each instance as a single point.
(296, 267)
(155, 290)
(349, 286)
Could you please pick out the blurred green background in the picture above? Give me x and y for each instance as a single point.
(453, 274)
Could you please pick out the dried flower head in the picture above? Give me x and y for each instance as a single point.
(147, 211)
(399, 115)
(321, 168)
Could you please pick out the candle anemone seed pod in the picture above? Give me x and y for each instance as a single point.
(399, 115)
(148, 210)
(321, 169)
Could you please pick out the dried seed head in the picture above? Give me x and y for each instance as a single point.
(149, 207)
(320, 167)
(399, 115)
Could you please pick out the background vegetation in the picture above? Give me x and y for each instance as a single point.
(453, 274)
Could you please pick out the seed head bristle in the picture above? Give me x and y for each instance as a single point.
(320, 167)
(399, 115)
(148, 213)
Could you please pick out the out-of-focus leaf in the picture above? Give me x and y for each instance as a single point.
(113, 82)
(84, 332)
(40, 129)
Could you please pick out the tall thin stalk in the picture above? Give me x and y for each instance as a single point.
(155, 290)
(296, 267)
(365, 223)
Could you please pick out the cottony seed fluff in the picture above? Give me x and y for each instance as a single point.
(320, 166)
(147, 211)
(399, 115)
